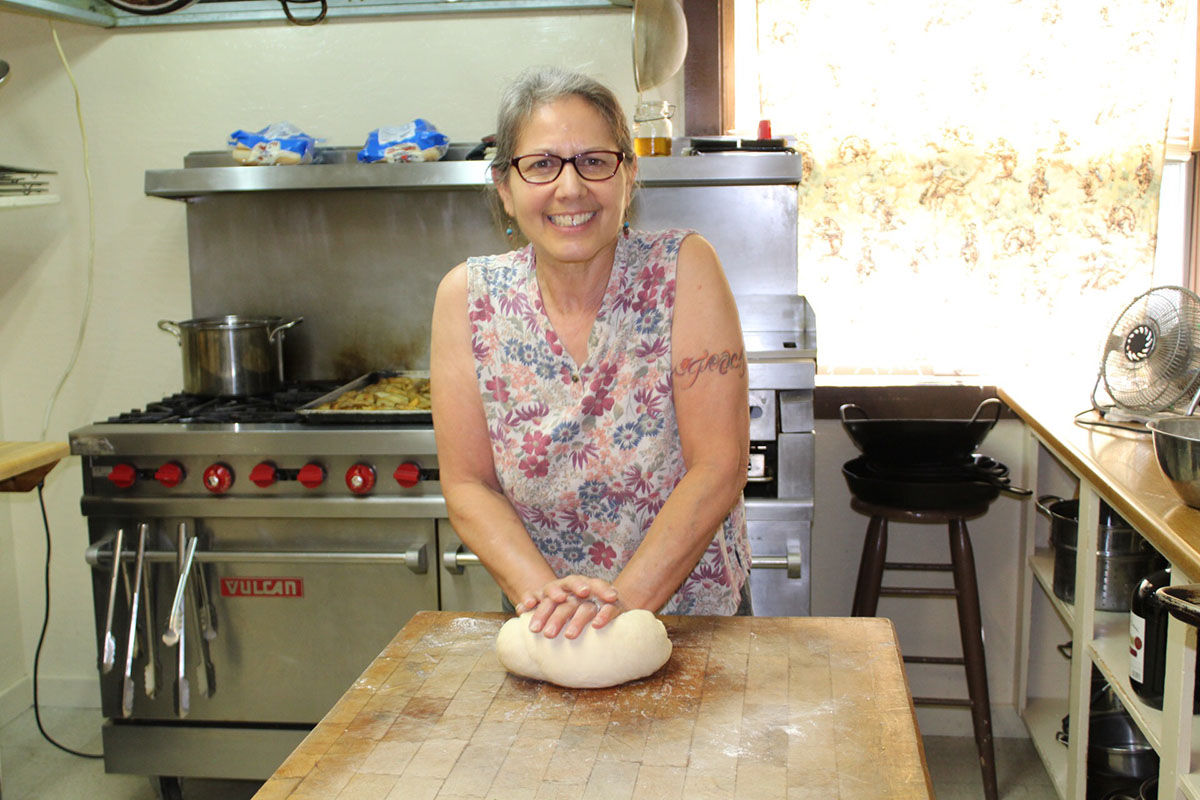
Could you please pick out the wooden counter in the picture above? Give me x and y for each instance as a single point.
(24, 464)
(1122, 468)
(746, 707)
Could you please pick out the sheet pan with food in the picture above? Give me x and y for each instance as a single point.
(382, 396)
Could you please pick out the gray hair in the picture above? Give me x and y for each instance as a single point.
(539, 86)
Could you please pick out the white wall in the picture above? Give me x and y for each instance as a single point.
(149, 97)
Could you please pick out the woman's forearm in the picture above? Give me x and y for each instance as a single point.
(487, 523)
(680, 534)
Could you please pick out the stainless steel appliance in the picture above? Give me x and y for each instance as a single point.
(308, 547)
(314, 544)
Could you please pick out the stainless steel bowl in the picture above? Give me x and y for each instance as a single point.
(1177, 448)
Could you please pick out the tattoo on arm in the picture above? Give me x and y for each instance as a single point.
(688, 370)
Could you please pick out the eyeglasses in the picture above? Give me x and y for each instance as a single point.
(594, 165)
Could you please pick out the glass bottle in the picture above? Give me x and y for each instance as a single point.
(652, 128)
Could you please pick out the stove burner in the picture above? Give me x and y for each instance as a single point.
(271, 408)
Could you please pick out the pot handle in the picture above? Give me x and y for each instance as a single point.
(991, 401)
(847, 406)
(1044, 501)
(283, 326)
(171, 327)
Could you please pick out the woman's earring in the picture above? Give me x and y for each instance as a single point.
(626, 228)
(508, 231)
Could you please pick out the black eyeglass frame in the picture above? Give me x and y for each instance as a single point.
(562, 163)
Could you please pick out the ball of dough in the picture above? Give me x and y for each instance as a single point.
(632, 646)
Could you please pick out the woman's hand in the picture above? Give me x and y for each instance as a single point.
(568, 604)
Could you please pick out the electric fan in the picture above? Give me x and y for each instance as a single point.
(1151, 357)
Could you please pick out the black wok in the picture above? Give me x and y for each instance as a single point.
(919, 441)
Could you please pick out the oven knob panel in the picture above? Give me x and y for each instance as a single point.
(360, 478)
(218, 478)
(407, 474)
(170, 474)
(122, 476)
(313, 475)
(264, 474)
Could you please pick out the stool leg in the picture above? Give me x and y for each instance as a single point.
(870, 569)
(970, 627)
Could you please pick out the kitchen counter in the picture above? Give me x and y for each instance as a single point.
(745, 707)
(24, 464)
(1122, 468)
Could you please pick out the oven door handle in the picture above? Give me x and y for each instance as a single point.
(792, 562)
(416, 558)
(456, 559)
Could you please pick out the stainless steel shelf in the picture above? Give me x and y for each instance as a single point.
(212, 172)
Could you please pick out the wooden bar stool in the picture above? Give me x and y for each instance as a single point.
(869, 588)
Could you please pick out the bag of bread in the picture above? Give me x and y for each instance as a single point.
(278, 143)
(418, 140)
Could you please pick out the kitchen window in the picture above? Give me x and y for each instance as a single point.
(986, 185)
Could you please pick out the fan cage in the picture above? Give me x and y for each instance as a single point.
(1151, 356)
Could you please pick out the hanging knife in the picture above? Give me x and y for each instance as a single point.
(109, 654)
(131, 640)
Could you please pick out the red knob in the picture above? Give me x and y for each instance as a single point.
(122, 475)
(408, 474)
(313, 475)
(264, 474)
(360, 478)
(169, 474)
(218, 478)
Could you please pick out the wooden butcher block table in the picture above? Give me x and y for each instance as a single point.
(796, 707)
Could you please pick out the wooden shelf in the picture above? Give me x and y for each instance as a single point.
(1043, 718)
(24, 464)
(1042, 564)
(26, 200)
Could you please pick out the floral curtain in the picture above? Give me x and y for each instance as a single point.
(981, 178)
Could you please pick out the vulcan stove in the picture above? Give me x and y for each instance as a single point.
(263, 561)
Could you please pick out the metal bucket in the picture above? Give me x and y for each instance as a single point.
(1123, 557)
(231, 356)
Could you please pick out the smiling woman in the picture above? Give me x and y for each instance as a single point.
(592, 447)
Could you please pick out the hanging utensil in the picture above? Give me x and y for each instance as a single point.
(150, 673)
(131, 639)
(660, 41)
(4, 70)
(108, 655)
(182, 691)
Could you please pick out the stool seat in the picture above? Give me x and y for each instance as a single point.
(965, 592)
(940, 516)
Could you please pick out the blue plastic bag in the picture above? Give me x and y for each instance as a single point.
(278, 143)
(418, 140)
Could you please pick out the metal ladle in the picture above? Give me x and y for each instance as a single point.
(4, 70)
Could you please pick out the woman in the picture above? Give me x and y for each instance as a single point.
(589, 389)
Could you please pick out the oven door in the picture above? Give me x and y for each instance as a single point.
(780, 533)
(290, 612)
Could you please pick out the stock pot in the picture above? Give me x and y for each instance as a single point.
(231, 356)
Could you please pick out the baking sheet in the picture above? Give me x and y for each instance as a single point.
(310, 412)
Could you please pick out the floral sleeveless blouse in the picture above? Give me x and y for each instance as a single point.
(587, 454)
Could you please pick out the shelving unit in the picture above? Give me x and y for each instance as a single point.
(1120, 471)
(24, 201)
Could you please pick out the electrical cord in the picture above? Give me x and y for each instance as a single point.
(1091, 423)
(37, 655)
(91, 262)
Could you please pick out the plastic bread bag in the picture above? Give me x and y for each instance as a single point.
(418, 140)
(278, 143)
